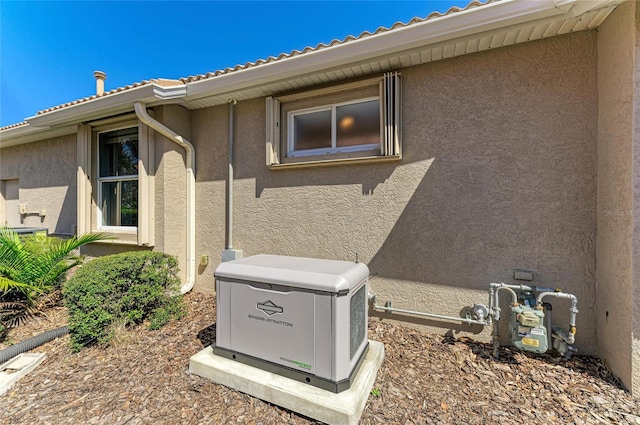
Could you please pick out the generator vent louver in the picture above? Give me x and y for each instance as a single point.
(303, 318)
(358, 322)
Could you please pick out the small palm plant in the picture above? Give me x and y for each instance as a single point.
(32, 267)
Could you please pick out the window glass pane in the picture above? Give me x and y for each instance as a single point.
(119, 153)
(358, 124)
(129, 212)
(109, 204)
(312, 130)
(120, 203)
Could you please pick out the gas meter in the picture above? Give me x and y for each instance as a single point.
(526, 328)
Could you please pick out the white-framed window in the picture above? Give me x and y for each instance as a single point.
(115, 180)
(352, 122)
(118, 179)
(344, 127)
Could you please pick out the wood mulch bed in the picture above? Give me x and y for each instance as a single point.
(142, 378)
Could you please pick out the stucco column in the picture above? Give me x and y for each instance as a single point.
(618, 214)
(170, 186)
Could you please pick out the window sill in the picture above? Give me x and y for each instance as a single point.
(124, 238)
(115, 242)
(336, 161)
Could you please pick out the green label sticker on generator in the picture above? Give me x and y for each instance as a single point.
(531, 342)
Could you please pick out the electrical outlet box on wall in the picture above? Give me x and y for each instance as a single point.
(23, 208)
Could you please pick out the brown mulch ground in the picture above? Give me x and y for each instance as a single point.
(142, 379)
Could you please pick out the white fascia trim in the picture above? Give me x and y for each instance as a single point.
(27, 134)
(111, 104)
(473, 21)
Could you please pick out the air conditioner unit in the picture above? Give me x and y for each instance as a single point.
(302, 318)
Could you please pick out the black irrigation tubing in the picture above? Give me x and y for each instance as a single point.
(31, 343)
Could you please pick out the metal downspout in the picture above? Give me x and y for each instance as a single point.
(190, 166)
(229, 227)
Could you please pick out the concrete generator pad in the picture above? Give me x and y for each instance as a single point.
(16, 368)
(344, 408)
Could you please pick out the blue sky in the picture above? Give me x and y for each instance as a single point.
(49, 50)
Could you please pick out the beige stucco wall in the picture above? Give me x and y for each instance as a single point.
(210, 132)
(498, 173)
(46, 172)
(615, 214)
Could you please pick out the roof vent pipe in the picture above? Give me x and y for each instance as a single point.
(100, 77)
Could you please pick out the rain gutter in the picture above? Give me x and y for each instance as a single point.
(108, 104)
(26, 133)
(432, 31)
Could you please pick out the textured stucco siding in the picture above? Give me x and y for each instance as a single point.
(615, 218)
(512, 185)
(498, 173)
(210, 132)
(46, 172)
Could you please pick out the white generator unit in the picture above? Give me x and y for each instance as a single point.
(303, 318)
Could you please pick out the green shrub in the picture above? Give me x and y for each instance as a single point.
(121, 289)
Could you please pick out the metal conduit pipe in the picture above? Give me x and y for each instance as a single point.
(141, 112)
(389, 309)
(31, 343)
(229, 226)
